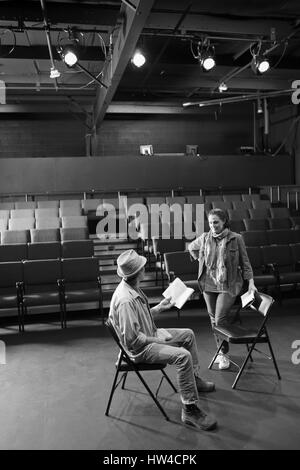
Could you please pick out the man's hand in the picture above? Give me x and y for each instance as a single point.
(165, 304)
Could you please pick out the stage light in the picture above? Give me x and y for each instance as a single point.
(259, 106)
(260, 64)
(223, 87)
(138, 59)
(69, 54)
(207, 60)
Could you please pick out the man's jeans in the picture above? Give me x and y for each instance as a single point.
(218, 307)
(181, 351)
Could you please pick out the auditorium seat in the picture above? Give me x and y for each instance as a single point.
(21, 224)
(280, 223)
(44, 250)
(14, 236)
(280, 237)
(280, 212)
(250, 197)
(261, 204)
(261, 277)
(25, 205)
(41, 285)
(179, 264)
(48, 204)
(21, 213)
(11, 275)
(78, 233)
(7, 205)
(195, 199)
(237, 225)
(74, 221)
(43, 213)
(48, 223)
(181, 200)
(81, 282)
(295, 220)
(262, 213)
(224, 205)
(231, 197)
(13, 252)
(4, 214)
(90, 205)
(70, 203)
(238, 214)
(3, 224)
(255, 238)
(155, 200)
(256, 224)
(77, 249)
(67, 211)
(241, 205)
(44, 235)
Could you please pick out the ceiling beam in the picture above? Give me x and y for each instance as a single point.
(133, 23)
(90, 53)
(60, 12)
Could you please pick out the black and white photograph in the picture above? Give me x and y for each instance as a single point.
(149, 228)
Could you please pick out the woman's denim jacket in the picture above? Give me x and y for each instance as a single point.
(237, 261)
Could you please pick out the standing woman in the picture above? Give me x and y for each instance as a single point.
(223, 267)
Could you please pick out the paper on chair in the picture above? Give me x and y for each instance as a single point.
(178, 292)
(247, 298)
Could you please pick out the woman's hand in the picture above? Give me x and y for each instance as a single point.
(252, 287)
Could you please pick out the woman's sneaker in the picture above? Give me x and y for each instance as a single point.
(224, 362)
(196, 418)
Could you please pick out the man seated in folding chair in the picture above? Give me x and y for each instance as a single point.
(132, 318)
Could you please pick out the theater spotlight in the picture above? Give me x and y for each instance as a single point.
(260, 64)
(223, 87)
(69, 54)
(207, 60)
(138, 59)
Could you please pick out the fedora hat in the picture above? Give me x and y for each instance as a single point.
(130, 263)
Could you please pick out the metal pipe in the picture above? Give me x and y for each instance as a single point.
(90, 74)
(48, 37)
(254, 126)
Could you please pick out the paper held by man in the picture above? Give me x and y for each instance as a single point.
(178, 292)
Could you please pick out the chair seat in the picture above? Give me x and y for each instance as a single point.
(289, 278)
(8, 301)
(42, 298)
(264, 280)
(124, 367)
(81, 295)
(238, 335)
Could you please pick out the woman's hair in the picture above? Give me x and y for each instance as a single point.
(221, 214)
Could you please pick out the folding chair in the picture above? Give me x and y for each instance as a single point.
(236, 334)
(125, 364)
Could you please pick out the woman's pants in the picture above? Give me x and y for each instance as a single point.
(182, 352)
(218, 307)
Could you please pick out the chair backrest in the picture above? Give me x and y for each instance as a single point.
(46, 212)
(280, 237)
(77, 248)
(14, 236)
(255, 258)
(213, 197)
(224, 205)
(67, 211)
(74, 221)
(39, 272)
(70, 203)
(280, 212)
(13, 252)
(262, 213)
(4, 214)
(10, 273)
(231, 197)
(180, 264)
(114, 334)
(25, 205)
(3, 224)
(44, 250)
(164, 246)
(47, 204)
(265, 305)
(278, 223)
(77, 233)
(261, 204)
(21, 213)
(237, 225)
(80, 269)
(7, 205)
(195, 199)
(255, 238)
(256, 224)
(90, 205)
(21, 224)
(44, 235)
(280, 255)
(250, 197)
(244, 205)
(238, 214)
(48, 223)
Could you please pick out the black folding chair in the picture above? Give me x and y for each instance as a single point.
(125, 364)
(236, 334)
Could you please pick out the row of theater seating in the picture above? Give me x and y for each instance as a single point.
(43, 235)
(93, 203)
(274, 266)
(52, 282)
(43, 223)
(271, 237)
(47, 250)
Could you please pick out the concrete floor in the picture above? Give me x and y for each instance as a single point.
(55, 386)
